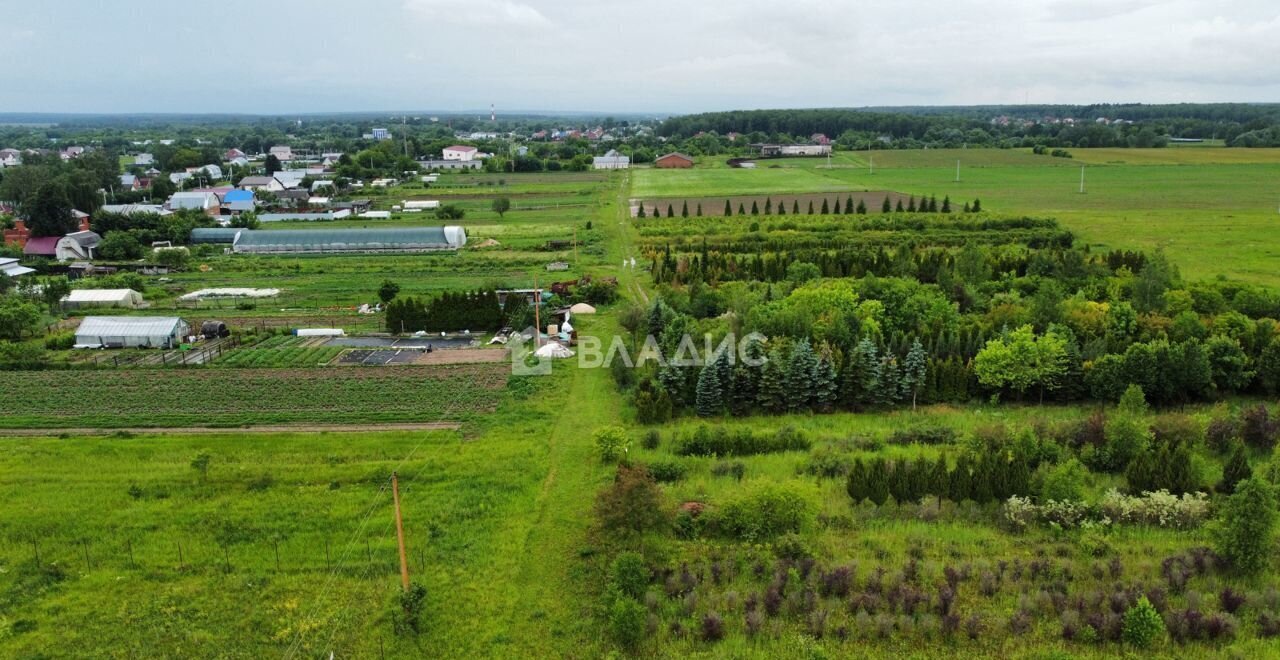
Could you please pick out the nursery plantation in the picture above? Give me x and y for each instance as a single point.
(871, 405)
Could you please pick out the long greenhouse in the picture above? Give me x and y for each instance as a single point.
(390, 239)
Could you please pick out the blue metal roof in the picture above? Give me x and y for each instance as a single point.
(238, 196)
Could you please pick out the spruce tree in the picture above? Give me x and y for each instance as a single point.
(946, 204)
(699, 211)
(848, 205)
(914, 370)
(861, 377)
(977, 205)
(710, 396)
(980, 483)
(911, 205)
(811, 206)
(862, 207)
(641, 213)
(795, 207)
(755, 208)
(966, 207)
(898, 208)
(684, 209)
(960, 485)
(671, 212)
(743, 393)
(801, 391)
(886, 207)
(1141, 473)
(1236, 470)
(826, 390)
(889, 390)
(933, 203)
(826, 208)
(772, 392)
(768, 206)
(782, 208)
(728, 210)
(742, 210)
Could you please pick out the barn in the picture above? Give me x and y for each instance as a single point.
(673, 160)
(382, 239)
(79, 298)
(131, 332)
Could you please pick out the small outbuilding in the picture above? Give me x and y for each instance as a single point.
(131, 332)
(125, 298)
(673, 160)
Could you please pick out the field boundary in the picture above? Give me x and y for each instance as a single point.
(270, 428)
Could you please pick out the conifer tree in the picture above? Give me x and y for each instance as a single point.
(671, 212)
(960, 486)
(1236, 470)
(877, 488)
(862, 207)
(684, 209)
(772, 391)
(980, 483)
(900, 480)
(768, 206)
(811, 206)
(699, 211)
(898, 208)
(911, 205)
(641, 213)
(914, 370)
(782, 208)
(977, 205)
(939, 484)
(743, 395)
(933, 203)
(826, 390)
(742, 210)
(1019, 482)
(848, 205)
(856, 483)
(728, 210)
(946, 204)
(800, 377)
(966, 207)
(710, 396)
(755, 208)
(826, 208)
(889, 390)
(861, 377)
(795, 207)
(886, 207)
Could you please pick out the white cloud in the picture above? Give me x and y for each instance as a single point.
(477, 12)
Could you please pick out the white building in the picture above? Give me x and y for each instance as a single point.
(282, 153)
(9, 266)
(201, 201)
(76, 245)
(459, 152)
(380, 134)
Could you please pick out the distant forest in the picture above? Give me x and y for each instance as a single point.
(1237, 124)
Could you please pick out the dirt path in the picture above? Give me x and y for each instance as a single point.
(272, 428)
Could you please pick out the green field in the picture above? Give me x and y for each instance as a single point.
(1214, 211)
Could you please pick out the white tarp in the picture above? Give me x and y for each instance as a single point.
(230, 293)
(553, 351)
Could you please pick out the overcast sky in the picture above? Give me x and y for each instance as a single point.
(293, 56)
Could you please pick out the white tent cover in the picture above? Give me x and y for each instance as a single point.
(554, 351)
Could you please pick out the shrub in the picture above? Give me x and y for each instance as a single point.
(765, 509)
(633, 502)
(667, 471)
(1142, 624)
(925, 435)
(1244, 531)
(627, 622)
(630, 575)
(712, 627)
(719, 441)
(1221, 433)
(652, 439)
(1159, 508)
(1257, 428)
(1065, 482)
(60, 342)
(611, 442)
(735, 469)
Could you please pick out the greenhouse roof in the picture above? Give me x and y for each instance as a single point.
(390, 238)
(130, 326)
(214, 234)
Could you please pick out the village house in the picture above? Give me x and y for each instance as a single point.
(459, 152)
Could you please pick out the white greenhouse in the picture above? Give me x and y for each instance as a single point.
(131, 332)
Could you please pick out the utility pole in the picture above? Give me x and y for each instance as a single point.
(404, 563)
(957, 170)
(537, 318)
(1082, 179)
(575, 245)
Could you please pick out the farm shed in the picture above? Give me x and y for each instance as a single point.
(206, 235)
(102, 298)
(388, 239)
(131, 331)
(674, 159)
